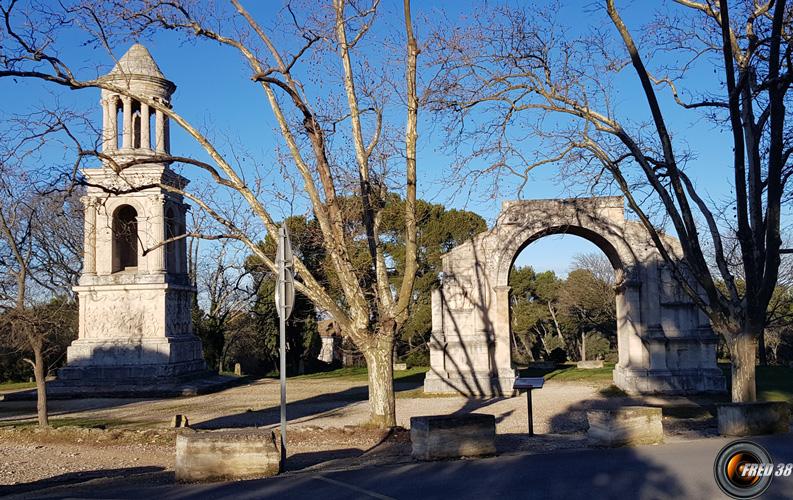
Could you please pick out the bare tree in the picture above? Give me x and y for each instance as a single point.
(597, 264)
(40, 265)
(522, 70)
(321, 38)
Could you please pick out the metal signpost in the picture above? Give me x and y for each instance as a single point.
(284, 300)
(528, 384)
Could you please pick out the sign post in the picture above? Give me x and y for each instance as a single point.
(284, 300)
(528, 384)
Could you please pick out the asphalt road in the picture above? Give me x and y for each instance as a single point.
(677, 470)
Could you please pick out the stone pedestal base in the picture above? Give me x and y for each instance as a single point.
(141, 360)
(154, 367)
(471, 384)
(630, 425)
(691, 381)
(452, 436)
(144, 363)
(226, 455)
(752, 419)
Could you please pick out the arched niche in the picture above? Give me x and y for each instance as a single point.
(125, 238)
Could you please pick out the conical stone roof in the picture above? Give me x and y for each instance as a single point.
(137, 61)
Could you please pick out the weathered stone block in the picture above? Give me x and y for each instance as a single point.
(629, 425)
(224, 455)
(589, 365)
(750, 419)
(452, 436)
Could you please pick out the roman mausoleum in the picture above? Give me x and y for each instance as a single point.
(135, 298)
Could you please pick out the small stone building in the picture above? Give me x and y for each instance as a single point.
(330, 351)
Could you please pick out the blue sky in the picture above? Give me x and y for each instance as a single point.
(214, 90)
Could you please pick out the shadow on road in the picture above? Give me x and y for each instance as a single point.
(76, 478)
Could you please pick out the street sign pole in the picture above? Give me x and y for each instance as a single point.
(284, 300)
(282, 354)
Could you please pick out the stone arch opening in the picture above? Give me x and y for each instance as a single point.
(555, 329)
(125, 238)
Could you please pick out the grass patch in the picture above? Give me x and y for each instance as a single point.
(361, 374)
(16, 386)
(774, 383)
(570, 373)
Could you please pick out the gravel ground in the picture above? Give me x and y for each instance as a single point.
(327, 419)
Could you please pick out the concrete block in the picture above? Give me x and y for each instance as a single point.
(589, 365)
(400, 366)
(452, 436)
(751, 419)
(226, 455)
(629, 425)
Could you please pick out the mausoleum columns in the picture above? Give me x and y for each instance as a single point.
(161, 128)
(135, 134)
(89, 236)
(156, 255)
(126, 141)
(110, 123)
(144, 126)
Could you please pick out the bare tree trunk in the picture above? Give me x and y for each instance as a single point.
(583, 345)
(380, 363)
(761, 348)
(555, 323)
(40, 373)
(743, 357)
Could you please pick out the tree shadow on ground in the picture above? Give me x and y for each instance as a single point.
(15, 412)
(321, 405)
(307, 409)
(693, 419)
(76, 478)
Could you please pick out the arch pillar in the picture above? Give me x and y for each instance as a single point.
(502, 350)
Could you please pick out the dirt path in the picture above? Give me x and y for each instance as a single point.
(319, 402)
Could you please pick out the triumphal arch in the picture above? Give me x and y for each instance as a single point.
(665, 343)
